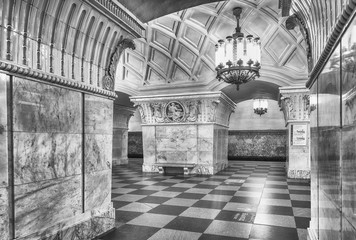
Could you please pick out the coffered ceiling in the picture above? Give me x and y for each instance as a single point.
(178, 52)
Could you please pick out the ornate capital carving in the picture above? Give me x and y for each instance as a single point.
(109, 78)
(295, 105)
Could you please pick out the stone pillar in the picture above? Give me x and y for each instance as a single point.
(294, 101)
(122, 115)
(185, 129)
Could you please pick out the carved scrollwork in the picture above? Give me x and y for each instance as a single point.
(157, 112)
(108, 79)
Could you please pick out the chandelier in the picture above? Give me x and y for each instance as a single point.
(238, 58)
(260, 106)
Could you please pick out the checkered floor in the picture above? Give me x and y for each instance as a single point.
(248, 200)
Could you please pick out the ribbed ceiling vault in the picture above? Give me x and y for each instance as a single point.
(178, 52)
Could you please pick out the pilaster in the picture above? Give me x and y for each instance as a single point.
(295, 103)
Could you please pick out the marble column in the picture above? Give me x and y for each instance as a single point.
(295, 103)
(189, 129)
(122, 115)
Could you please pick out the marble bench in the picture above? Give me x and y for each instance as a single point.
(185, 166)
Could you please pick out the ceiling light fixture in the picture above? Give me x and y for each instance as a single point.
(238, 58)
(260, 106)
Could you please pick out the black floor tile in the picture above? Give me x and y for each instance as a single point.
(276, 186)
(135, 186)
(250, 189)
(276, 196)
(234, 216)
(273, 233)
(119, 204)
(249, 200)
(189, 224)
(223, 192)
(130, 232)
(301, 204)
(143, 192)
(278, 210)
(175, 189)
(126, 216)
(205, 186)
(218, 237)
(168, 210)
(303, 192)
(302, 222)
(210, 204)
(153, 199)
(190, 195)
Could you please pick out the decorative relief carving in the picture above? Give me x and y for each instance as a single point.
(212, 105)
(194, 109)
(175, 112)
(142, 113)
(200, 169)
(295, 106)
(211, 109)
(108, 79)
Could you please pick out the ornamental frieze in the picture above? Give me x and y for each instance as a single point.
(295, 104)
(209, 108)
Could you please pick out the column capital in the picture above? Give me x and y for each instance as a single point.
(294, 101)
(207, 107)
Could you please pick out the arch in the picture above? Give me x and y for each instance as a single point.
(105, 37)
(93, 50)
(54, 33)
(65, 36)
(85, 45)
(76, 38)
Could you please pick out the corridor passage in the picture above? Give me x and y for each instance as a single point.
(248, 200)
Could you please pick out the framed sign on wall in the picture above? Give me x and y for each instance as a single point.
(299, 134)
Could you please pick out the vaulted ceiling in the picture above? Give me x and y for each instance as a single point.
(178, 52)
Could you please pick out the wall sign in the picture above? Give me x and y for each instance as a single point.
(299, 135)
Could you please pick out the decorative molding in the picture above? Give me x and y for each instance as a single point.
(120, 15)
(294, 103)
(298, 174)
(38, 75)
(202, 108)
(333, 39)
(295, 20)
(109, 78)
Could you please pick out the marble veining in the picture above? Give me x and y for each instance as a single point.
(44, 156)
(4, 214)
(43, 204)
(98, 115)
(43, 108)
(98, 152)
(97, 189)
(3, 159)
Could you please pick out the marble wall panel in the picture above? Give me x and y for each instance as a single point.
(257, 145)
(206, 157)
(188, 144)
(205, 131)
(42, 204)
(98, 152)
(97, 189)
(135, 144)
(166, 144)
(44, 156)
(98, 115)
(192, 157)
(172, 156)
(3, 159)
(3, 131)
(4, 214)
(205, 144)
(43, 108)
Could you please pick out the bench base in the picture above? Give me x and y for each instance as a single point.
(185, 167)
